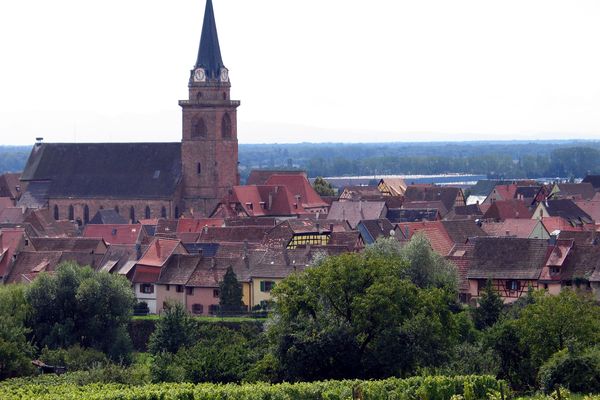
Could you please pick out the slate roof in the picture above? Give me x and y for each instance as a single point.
(108, 216)
(106, 170)
(427, 205)
(581, 238)
(568, 210)
(593, 179)
(508, 258)
(461, 231)
(447, 195)
(355, 211)
(412, 215)
(209, 52)
(12, 215)
(373, 229)
(36, 195)
(471, 211)
(205, 249)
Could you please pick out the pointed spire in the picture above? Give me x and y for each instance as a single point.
(209, 52)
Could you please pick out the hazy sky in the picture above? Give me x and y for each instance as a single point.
(310, 70)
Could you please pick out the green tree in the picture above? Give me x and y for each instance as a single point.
(489, 309)
(230, 293)
(16, 352)
(76, 305)
(175, 329)
(323, 187)
(352, 315)
(554, 322)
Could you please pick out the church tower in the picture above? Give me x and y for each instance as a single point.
(209, 149)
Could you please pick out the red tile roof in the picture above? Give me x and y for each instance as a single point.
(260, 176)
(146, 274)
(300, 189)
(115, 234)
(434, 231)
(505, 209)
(159, 252)
(516, 227)
(195, 225)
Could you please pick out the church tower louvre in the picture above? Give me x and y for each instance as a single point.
(209, 147)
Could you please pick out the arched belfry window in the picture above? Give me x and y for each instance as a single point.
(199, 168)
(148, 213)
(117, 209)
(71, 213)
(163, 212)
(56, 215)
(226, 127)
(198, 129)
(132, 214)
(86, 214)
(176, 212)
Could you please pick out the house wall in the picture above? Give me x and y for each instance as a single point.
(257, 294)
(539, 232)
(204, 296)
(163, 295)
(149, 298)
(540, 212)
(499, 284)
(124, 205)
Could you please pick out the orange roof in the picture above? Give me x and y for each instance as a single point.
(434, 231)
(559, 224)
(114, 233)
(298, 185)
(264, 200)
(187, 225)
(159, 252)
(517, 227)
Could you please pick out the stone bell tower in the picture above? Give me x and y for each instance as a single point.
(209, 149)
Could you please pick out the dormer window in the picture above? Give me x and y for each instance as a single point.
(249, 206)
(263, 205)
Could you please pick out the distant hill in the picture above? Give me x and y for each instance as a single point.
(511, 159)
(13, 158)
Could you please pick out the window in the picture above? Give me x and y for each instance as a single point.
(190, 291)
(179, 289)
(132, 214)
(176, 212)
(213, 309)
(117, 209)
(554, 270)
(198, 129)
(72, 213)
(163, 212)
(226, 127)
(148, 213)
(168, 288)
(146, 288)
(86, 214)
(216, 293)
(56, 216)
(197, 308)
(513, 285)
(266, 286)
(199, 168)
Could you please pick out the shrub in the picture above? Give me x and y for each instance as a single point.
(578, 372)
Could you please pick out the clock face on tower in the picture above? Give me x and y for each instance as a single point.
(224, 75)
(199, 75)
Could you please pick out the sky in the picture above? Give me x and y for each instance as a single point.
(305, 71)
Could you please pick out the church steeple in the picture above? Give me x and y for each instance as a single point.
(209, 148)
(209, 62)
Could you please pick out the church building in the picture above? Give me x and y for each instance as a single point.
(148, 180)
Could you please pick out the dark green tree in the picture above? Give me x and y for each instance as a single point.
(230, 293)
(175, 329)
(489, 309)
(76, 305)
(16, 352)
(323, 187)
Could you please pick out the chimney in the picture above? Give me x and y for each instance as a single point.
(286, 256)
(157, 245)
